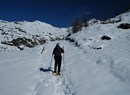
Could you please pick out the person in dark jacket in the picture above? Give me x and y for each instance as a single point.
(58, 58)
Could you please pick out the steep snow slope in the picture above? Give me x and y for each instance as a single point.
(125, 17)
(104, 68)
(19, 35)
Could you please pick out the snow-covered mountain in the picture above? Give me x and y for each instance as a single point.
(96, 60)
(19, 35)
(96, 34)
(104, 68)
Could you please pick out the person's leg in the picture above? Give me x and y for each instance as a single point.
(56, 63)
(59, 64)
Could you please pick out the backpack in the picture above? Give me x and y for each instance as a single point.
(57, 51)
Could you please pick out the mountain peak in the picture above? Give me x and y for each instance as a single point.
(23, 34)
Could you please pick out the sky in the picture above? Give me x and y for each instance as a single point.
(59, 13)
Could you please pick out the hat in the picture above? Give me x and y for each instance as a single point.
(57, 44)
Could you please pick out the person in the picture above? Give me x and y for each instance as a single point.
(58, 58)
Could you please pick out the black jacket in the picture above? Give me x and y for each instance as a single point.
(58, 50)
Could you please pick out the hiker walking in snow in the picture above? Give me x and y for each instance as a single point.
(58, 58)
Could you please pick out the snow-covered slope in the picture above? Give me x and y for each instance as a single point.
(96, 62)
(104, 68)
(125, 17)
(20, 35)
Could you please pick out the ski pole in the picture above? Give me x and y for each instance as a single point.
(63, 59)
(63, 56)
(51, 62)
(63, 64)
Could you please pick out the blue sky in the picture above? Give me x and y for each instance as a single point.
(59, 13)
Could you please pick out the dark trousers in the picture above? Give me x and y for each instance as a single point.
(57, 63)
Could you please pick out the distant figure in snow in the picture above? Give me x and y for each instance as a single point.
(58, 58)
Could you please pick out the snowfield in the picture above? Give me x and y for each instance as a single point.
(21, 35)
(96, 63)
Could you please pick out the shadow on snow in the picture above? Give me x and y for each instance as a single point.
(45, 70)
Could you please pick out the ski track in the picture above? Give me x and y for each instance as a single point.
(58, 85)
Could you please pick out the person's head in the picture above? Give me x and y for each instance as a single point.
(57, 44)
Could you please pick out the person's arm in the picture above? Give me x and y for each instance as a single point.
(62, 50)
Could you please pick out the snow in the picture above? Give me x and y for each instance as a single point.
(125, 17)
(35, 31)
(94, 67)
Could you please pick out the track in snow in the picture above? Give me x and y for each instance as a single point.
(48, 83)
